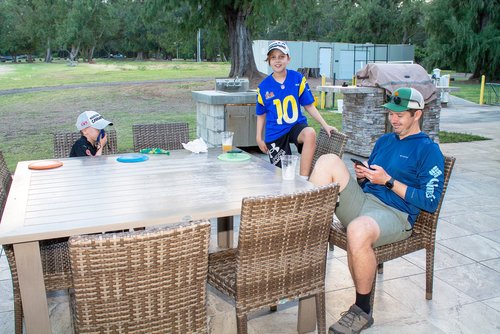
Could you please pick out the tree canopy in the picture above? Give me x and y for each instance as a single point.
(451, 34)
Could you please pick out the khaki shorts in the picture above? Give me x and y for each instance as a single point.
(353, 202)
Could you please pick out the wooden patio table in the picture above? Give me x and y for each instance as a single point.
(99, 194)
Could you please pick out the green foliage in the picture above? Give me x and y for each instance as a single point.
(464, 36)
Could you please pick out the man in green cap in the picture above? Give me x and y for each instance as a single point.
(403, 175)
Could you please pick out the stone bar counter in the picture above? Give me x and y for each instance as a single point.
(364, 119)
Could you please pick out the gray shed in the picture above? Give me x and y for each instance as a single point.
(340, 59)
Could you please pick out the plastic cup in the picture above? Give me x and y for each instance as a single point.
(227, 140)
(288, 166)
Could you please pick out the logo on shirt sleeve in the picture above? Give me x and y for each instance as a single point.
(433, 183)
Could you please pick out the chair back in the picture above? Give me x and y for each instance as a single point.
(5, 182)
(63, 142)
(325, 145)
(167, 136)
(282, 246)
(427, 222)
(150, 281)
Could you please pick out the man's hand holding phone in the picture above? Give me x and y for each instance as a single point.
(360, 168)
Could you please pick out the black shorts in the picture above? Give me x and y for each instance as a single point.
(281, 146)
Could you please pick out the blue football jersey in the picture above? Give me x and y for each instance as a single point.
(281, 103)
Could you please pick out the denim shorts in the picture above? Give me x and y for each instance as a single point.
(353, 202)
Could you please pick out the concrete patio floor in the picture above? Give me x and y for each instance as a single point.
(467, 264)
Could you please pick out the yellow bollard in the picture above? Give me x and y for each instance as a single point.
(481, 93)
(323, 94)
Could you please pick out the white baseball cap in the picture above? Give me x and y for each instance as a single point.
(278, 45)
(91, 119)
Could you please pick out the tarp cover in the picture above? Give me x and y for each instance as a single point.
(394, 76)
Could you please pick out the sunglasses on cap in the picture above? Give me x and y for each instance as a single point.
(397, 100)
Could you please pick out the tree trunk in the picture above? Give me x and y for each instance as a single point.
(140, 56)
(74, 52)
(91, 53)
(48, 53)
(242, 60)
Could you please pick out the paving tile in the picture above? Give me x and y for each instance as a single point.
(494, 303)
(475, 247)
(475, 280)
(7, 322)
(492, 235)
(471, 318)
(410, 291)
(6, 301)
(493, 264)
(410, 325)
(443, 258)
(4, 268)
(399, 267)
(446, 230)
(337, 275)
(475, 222)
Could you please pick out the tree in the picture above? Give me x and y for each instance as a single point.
(241, 17)
(464, 35)
(379, 21)
(17, 29)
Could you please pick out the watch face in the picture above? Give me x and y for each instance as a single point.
(389, 184)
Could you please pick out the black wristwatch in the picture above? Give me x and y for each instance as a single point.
(389, 184)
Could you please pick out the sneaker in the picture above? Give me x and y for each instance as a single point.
(352, 321)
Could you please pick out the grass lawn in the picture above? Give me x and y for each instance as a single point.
(39, 74)
(27, 120)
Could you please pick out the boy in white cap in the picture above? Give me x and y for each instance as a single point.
(279, 98)
(403, 175)
(91, 125)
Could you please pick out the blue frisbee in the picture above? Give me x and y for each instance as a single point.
(132, 157)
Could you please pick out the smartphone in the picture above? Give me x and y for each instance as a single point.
(101, 135)
(357, 162)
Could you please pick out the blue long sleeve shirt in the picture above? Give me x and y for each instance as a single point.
(415, 161)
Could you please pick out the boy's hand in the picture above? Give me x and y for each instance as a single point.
(104, 140)
(329, 129)
(262, 145)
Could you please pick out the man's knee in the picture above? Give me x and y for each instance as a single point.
(362, 232)
(327, 161)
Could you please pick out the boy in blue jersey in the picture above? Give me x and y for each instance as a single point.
(279, 98)
(403, 175)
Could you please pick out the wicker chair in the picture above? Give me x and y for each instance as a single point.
(151, 281)
(423, 237)
(63, 142)
(5, 182)
(281, 253)
(333, 144)
(54, 254)
(167, 136)
(56, 272)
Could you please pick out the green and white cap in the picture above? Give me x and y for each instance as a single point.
(405, 98)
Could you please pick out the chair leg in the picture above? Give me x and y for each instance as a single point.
(321, 312)
(273, 308)
(372, 294)
(18, 316)
(241, 323)
(429, 272)
(380, 268)
(330, 245)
